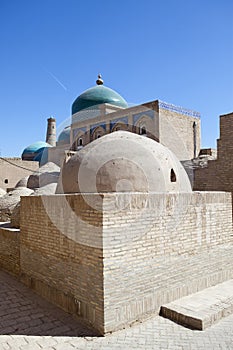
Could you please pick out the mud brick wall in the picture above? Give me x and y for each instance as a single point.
(9, 249)
(59, 258)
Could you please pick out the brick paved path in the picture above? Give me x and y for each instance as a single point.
(29, 322)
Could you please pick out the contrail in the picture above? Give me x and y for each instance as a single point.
(56, 79)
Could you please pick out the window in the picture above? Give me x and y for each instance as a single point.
(142, 130)
(6, 181)
(80, 142)
(172, 176)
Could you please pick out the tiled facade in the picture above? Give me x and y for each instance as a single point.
(175, 127)
(168, 124)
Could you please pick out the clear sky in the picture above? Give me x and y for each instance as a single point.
(179, 51)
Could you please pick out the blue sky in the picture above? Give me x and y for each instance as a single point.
(178, 51)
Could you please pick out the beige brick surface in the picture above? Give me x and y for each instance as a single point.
(9, 249)
(115, 266)
(218, 175)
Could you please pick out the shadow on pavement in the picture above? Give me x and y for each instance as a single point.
(22, 312)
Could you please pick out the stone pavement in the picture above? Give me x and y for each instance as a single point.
(202, 309)
(27, 322)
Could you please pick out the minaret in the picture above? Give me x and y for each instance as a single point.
(51, 131)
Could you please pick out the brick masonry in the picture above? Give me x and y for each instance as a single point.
(145, 246)
(217, 176)
(173, 127)
(56, 261)
(118, 263)
(9, 249)
(176, 132)
(14, 169)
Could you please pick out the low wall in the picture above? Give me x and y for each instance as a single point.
(157, 250)
(9, 249)
(56, 261)
(113, 258)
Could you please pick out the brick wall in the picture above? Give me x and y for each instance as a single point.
(56, 260)
(144, 245)
(217, 176)
(115, 264)
(174, 129)
(9, 249)
(176, 132)
(14, 169)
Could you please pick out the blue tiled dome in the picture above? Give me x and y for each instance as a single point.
(64, 136)
(30, 152)
(97, 95)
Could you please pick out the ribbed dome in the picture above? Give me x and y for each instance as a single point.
(97, 95)
(64, 136)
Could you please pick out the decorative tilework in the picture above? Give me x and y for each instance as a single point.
(86, 114)
(102, 124)
(178, 109)
(119, 120)
(149, 113)
(76, 131)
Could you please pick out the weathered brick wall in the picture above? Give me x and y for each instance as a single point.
(117, 263)
(57, 256)
(218, 174)
(9, 249)
(145, 242)
(14, 169)
(176, 133)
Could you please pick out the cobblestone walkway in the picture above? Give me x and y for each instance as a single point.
(29, 322)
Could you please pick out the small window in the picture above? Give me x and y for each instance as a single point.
(98, 136)
(80, 142)
(142, 130)
(172, 176)
(6, 181)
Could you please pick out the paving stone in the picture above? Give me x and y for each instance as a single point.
(153, 334)
(202, 309)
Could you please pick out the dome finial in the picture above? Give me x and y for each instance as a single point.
(99, 81)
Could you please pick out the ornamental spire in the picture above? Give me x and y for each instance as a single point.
(99, 81)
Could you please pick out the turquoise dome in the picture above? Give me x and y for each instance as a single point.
(97, 95)
(64, 136)
(30, 152)
(41, 156)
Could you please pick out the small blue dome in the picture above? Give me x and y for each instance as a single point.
(30, 152)
(64, 136)
(97, 95)
(42, 156)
